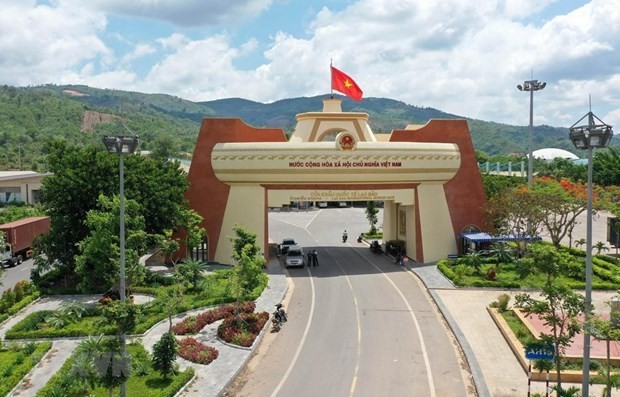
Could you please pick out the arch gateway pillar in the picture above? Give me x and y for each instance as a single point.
(426, 175)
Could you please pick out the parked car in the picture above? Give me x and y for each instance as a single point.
(322, 204)
(286, 243)
(342, 204)
(295, 256)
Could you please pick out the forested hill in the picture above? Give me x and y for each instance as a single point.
(30, 116)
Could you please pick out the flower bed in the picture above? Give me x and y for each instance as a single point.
(193, 324)
(197, 352)
(243, 329)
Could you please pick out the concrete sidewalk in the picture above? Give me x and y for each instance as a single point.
(494, 367)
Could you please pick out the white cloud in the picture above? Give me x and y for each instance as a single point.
(459, 56)
(139, 51)
(38, 42)
(186, 12)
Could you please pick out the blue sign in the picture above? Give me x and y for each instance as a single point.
(539, 351)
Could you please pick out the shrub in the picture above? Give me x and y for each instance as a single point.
(193, 324)
(243, 329)
(501, 304)
(164, 354)
(197, 352)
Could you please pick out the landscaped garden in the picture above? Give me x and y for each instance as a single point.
(502, 269)
(81, 374)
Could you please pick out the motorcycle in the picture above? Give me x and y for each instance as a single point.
(376, 247)
(359, 238)
(344, 237)
(279, 317)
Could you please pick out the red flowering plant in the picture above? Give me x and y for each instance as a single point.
(197, 352)
(560, 202)
(193, 324)
(242, 329)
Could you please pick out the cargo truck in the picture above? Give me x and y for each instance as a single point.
(16, 238)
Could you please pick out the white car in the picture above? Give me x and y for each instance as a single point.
(286, 243)
(322, 204)
(295, 256)
(342, 204)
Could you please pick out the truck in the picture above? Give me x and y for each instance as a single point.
(16, 238)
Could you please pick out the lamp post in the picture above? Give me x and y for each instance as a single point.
(531, 86)
(589, 136)
(122, 145)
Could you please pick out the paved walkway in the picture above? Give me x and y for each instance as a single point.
(494, 368)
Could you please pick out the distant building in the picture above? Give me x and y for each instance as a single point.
(553, 153)
(21, 187)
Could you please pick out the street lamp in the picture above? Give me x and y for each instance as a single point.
(531, 86)
(122, 145)
(589, 136)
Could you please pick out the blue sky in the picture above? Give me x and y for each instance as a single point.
(460, 56)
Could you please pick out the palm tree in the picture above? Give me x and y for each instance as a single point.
(600, 246)
(84, 367)
(580, 242)
(191, 271)
(473, 259)
(503, 253)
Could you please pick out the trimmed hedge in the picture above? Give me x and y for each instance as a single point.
(15, 299)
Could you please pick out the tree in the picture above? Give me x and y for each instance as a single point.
(503, 252)
(473, 260)
(600, 246)
(559, 306)
(191, 272)
(98, 265)
(371, 215)
(248, 261)
(81, 174)
(174, 297)
(606, 167)
(165, 354)
(607, 330)
(515, 212)
(561, 203)
(83, 367)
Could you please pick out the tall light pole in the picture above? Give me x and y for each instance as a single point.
(589, 136)
(531, 86)
(122, 145)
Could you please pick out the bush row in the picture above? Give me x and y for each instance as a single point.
(15, 299)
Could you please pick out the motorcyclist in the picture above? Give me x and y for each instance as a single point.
(344, 236)
(280, 313)
(360, 237)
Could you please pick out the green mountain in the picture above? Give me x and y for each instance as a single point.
(30, 116)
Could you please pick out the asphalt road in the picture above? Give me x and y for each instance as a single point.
(359, 325)
(12, 275)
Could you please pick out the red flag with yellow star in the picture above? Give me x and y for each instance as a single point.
(343, 83)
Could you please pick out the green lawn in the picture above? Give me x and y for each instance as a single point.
(16, 360)
(144, 381)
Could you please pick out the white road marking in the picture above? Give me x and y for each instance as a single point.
(359, 327)
(429, 373)
(301, 342)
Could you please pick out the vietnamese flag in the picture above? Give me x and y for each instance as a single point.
(343, 83)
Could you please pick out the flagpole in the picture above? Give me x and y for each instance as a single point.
(331, 92)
